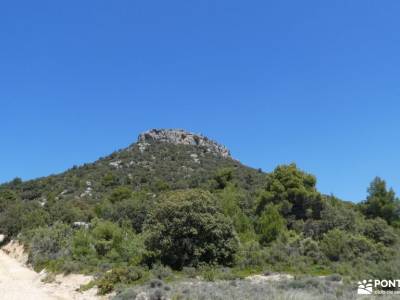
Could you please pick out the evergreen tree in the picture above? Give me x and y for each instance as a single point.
(381, 202)
(293, 190)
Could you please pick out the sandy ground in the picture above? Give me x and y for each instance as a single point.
(271, 277)
(18, 282)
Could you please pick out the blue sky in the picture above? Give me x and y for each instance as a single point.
(311, 82)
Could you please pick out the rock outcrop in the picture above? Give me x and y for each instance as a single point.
(179, 136)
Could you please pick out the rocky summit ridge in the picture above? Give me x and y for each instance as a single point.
(183, 137)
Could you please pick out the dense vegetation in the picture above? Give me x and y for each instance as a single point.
(173, 211)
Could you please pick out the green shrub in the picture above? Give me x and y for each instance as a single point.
(233, 202)
(109, 180)
(379, 231)
(49, 243)
(270, 225)
(223, 177)
(124, 275)
(120, 193)
(381, 202)
(107, 242)
(340, 245)
(334, 244)
(186, 229)
(107, 238)
(339, 215)
(66, 211)
(132, 249)
(133, 210)
(83, 246)
(208, 273)
(310, 248)
(161, 272)
(35, 216)
(251, 255)
(7, 197)
(11, 222)
(70, 267)
(294, 190)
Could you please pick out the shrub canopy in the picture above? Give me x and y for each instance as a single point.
(187, 229)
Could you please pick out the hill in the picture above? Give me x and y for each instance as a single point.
(159, 160)
(176, 205)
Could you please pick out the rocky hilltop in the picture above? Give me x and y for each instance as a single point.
(166, 159)
(183, 137)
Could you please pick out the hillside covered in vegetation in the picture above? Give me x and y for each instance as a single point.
(176, 205)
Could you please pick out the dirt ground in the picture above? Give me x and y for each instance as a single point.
(19, 282)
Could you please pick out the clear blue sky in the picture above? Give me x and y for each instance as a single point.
(311, 82)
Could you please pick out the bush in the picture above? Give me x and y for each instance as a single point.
(186, 229)
(270, 225)
(132, 249)
(69, 267)
(133, 210)
(49, 243)
(161, 272)
(381, 202)
(107, 238)
(223, 177)
(14, 219)
(126, 294)
(107, 242)
(233, 201)
(310, 248)
(82, 246)
(339, 245)
(65, 211)
(379, 231)
(251, 254)
(295, 191)
(293, 252)
(209, 273)
(339, 215)
(109, 180)
(7, 197)
(120, 193)
(334, 244)
(124, 275)
(389, 269)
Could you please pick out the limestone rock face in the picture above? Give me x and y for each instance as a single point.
(179, 136)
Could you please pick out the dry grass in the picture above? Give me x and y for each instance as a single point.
(295, 289)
